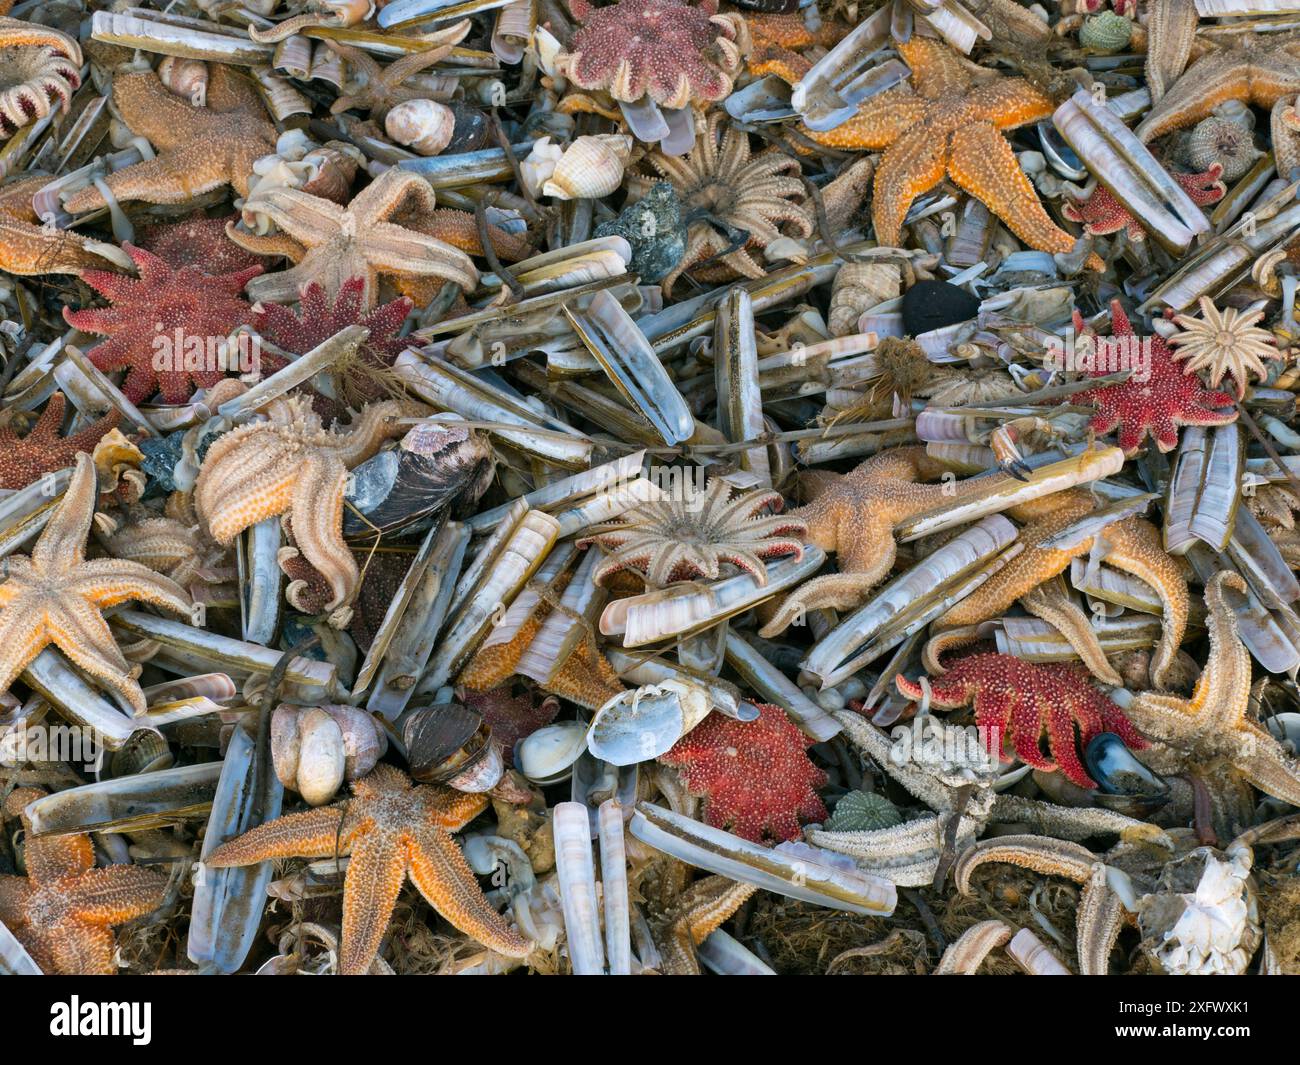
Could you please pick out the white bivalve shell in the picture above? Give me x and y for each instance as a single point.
(1202, 919)
(185, 77)
(315, 748)
(424, 126)
(547, 756)
(536, 170)
(590, 167)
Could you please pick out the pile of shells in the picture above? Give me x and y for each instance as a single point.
(732, 451)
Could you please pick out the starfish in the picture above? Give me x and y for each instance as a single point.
(739, 201)
(1020, 700)
(1097, 920)
(64, 910)
(198, 241)
(360, 240)
(39, 67)
(672, 51)
(959, 790)
(1101, 213)
(290, 464)
(27, 248)
(177, 307)
(25, 459)
(778, 39)
(392, 829)
(1214, 734)
(199, 148)
(382, 88)
(755, 776)
(855, 514)
(949, 123)
(165, 544)
(677, 539)
(57, 596)
(1257, 69)
(1224, 342)
(1156, 399)
(1131, 544)
(695, 914)
(512, 717)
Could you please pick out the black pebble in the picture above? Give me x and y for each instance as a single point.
(931, 305)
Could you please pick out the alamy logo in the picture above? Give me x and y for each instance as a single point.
(180, 352)
(1084, 353)
(77, 1018)
(39, 744)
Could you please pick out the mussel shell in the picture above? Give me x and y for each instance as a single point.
(145, 751)
(444, 741)
(471, 132)
(1118, 772)
(399, 489)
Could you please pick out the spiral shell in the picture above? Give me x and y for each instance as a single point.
(424, 126)
(1106, 32)
(331, 169)
(590, 167)
(859, 287)
(187, 78)
(537, 169)
(1222, 141)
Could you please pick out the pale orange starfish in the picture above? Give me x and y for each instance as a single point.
(57, 596)
(39, 68)
(392, 829)
(1131, 544)
(28, 248)
(290, 464)
(199, 148)
(64, 910)
(949, 123)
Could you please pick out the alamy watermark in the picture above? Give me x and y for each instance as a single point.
(1085, 353)
(43, 743)
(177, 351)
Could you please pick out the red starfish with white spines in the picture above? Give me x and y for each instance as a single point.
(43, 450)
(164, 302)
(1102, 214)
(755, 776)
(1151, 403)
(1022, 700)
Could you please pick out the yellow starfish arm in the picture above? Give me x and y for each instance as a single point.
(82, 948)
(983, 164)
(317, 511)
(81, 633)
(232, 495)
(913, 165)
(1009, 102)
(15, 892)
(1068, 618)
(370, 889)
(441, 874)
(1266, 764)
(149, 109)
(1222, 690)
(109, 581)
(936, 69)
(23, 635)
(62, 544)
(880, 121)
(115, 894)
(312, 834)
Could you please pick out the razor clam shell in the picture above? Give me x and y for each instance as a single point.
(821, 96)
(613, 883)
(511, 568)
(764, 100)
(912, 599)
(343, 343)
(576, 872)
(1204, 489)
(465, 169)
(1034, 956)
(735, 365)
(109, 393)
(607, 505)
(1008, 492)
(259, 580)
(448, 388)
(188, 38)
(775, 687)
(1272, 636)
(1035, 640)
(226, 653)
(128, 804)
(956, 25)
(643, 619)
(723, 954)
(412, 643)
(23, 513)
(629, 361)
(579, 264)
(14, 959)
(51, 676)
(407, 12)
(228, 903)
(564, 628)
(1258, 559)
(1097, 521)
(801, 878)
(525, 604)
(1111, 585)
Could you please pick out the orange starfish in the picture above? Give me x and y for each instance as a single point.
(949, 123)
(1132, 544)
(64, 910)
(28, 248)
(391, 829)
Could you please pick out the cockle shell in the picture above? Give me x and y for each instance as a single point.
(547, 756)
(185, 77)
(590, 167)
(858, 287)
(424, 126)
(315, 748)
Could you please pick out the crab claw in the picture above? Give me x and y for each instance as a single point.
(1003, 443)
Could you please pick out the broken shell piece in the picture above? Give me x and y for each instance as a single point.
(590, 167)
(424, 126)
(537, 169)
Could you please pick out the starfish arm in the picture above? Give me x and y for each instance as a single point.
(966, 955)
(316, 833)
(1171, 29)
(231, 90)
(836, 591)
(376, 423)
(1068, 618)
(1210, 81)
(62, 544)
(983, 164)
(374, 879)
(1264, 762)
(310, 220)
(109, 581)
(50, 858)
(26, 249)
(79, 948)
(1009, 102)
(396, 250)
(151, 110)
(1061, 721)
(1135, 547)
(880, 121)
(1073, 822)
(1015, 581)
(936, 69)
(318, 524)
(1223, 689)
(913, 164)
(168, 178)
(81, 633)
(15, 893)
(115, 894)
(242, 483)
(1097, 923)
(453, 810)
(1159, 717)
(444, 878)
(394, 192)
